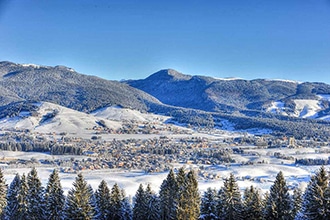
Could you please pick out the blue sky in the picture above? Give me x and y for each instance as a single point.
(287, 39)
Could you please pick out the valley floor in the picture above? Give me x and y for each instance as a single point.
(259, 175)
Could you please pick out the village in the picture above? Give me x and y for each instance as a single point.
(160, 148)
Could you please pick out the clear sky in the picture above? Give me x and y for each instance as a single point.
(287, 39)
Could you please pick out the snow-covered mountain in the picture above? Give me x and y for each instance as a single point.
(290, 98)
(278, 105)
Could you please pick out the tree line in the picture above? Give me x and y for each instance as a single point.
(178, 198)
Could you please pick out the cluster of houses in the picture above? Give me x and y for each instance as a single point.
(155, 154)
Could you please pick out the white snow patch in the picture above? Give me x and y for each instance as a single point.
(276, 107)
(229, 78)
(117, 113)
(307, 108)
(285, 80)
(327, 118)
(324, 97)
(31, 65)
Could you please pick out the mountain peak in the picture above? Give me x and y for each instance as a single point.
(61, 67)
(169, 74)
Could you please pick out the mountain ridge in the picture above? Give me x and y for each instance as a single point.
(64, 86)
(223, 95)
(282, 106)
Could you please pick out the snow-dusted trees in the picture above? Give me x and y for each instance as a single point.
(78, 204)
(316, 199)
(152, 204)
(209, 205)
(92, 201)
(112, 204)
(252, 203)
(102, 196)
(188, 196)
(168, 197)
(126, 208)
(232, 203)
(54, 197)
(12, 198)
(3, 194)
(278, 205)
(178, 199)
(179, 196)
(116, 202)
(35, 196)
(228, 204)
(22, 203)
(139, 207)
(296, 201)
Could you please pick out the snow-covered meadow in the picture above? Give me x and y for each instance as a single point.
(259, 175)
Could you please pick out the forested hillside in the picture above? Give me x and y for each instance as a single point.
(62, 85)
(283, 107)
(232, 95)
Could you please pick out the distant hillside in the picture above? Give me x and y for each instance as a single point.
(281, 107)
(237, 95)
(64, 86)
(47, 117)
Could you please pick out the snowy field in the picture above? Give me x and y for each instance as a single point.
(259, 175)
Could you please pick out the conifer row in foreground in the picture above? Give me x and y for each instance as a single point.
(178, 198)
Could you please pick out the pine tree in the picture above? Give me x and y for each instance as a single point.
(252, 204)
(54, 197)
(102, 196)
(296, 201)
(11, 209)
(209, 205)
(315, 200)
(78, 201)
(92, 202)
(181, 194)
(189, 198)
(115, 202)
(3, 194)
(278, 205)
(168, 197)
(232, 205)
(181, 180)
(126, 208)
(220, 201)
(151, 204)
(139, 208)
(22, 208)
(35, 196)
